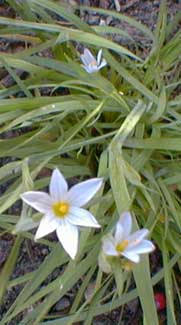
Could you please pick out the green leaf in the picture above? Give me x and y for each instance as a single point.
(9, 266)
(118, 275)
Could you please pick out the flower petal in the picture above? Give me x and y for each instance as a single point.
(145, 246)
(99, 56)
(137, 237)
(93, 68)
(82, 217)
(90, 69)
(119, 232)
(83, 59)
(68, 236)
(38, 200)
(88, 57)
(87, 68)
(58, 185)
(82, 193)
(123, 226)
(47, 225)
(103, 63)
(131, 256)
(109, 247)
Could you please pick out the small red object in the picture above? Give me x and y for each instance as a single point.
(94, 131)
(160, 301)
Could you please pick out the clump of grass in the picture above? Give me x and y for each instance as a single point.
(121, 123)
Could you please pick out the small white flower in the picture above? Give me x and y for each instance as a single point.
(90, 63)
(62, 209)
(126, 244)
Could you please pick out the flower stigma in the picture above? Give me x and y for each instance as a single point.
(121, 246)
(61, 209)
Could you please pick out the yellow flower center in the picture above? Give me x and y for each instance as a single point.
(60, 209)
(121, 246)
(93, 63)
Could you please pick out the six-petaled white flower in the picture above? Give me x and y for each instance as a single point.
(62, 209)
(125, 244)
(90, 63)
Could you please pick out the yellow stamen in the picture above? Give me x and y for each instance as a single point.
(93, 63)
(121, 246)
(61, 209)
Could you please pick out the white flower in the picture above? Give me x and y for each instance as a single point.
(126, 244)
(62, 209)
(90, 63)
